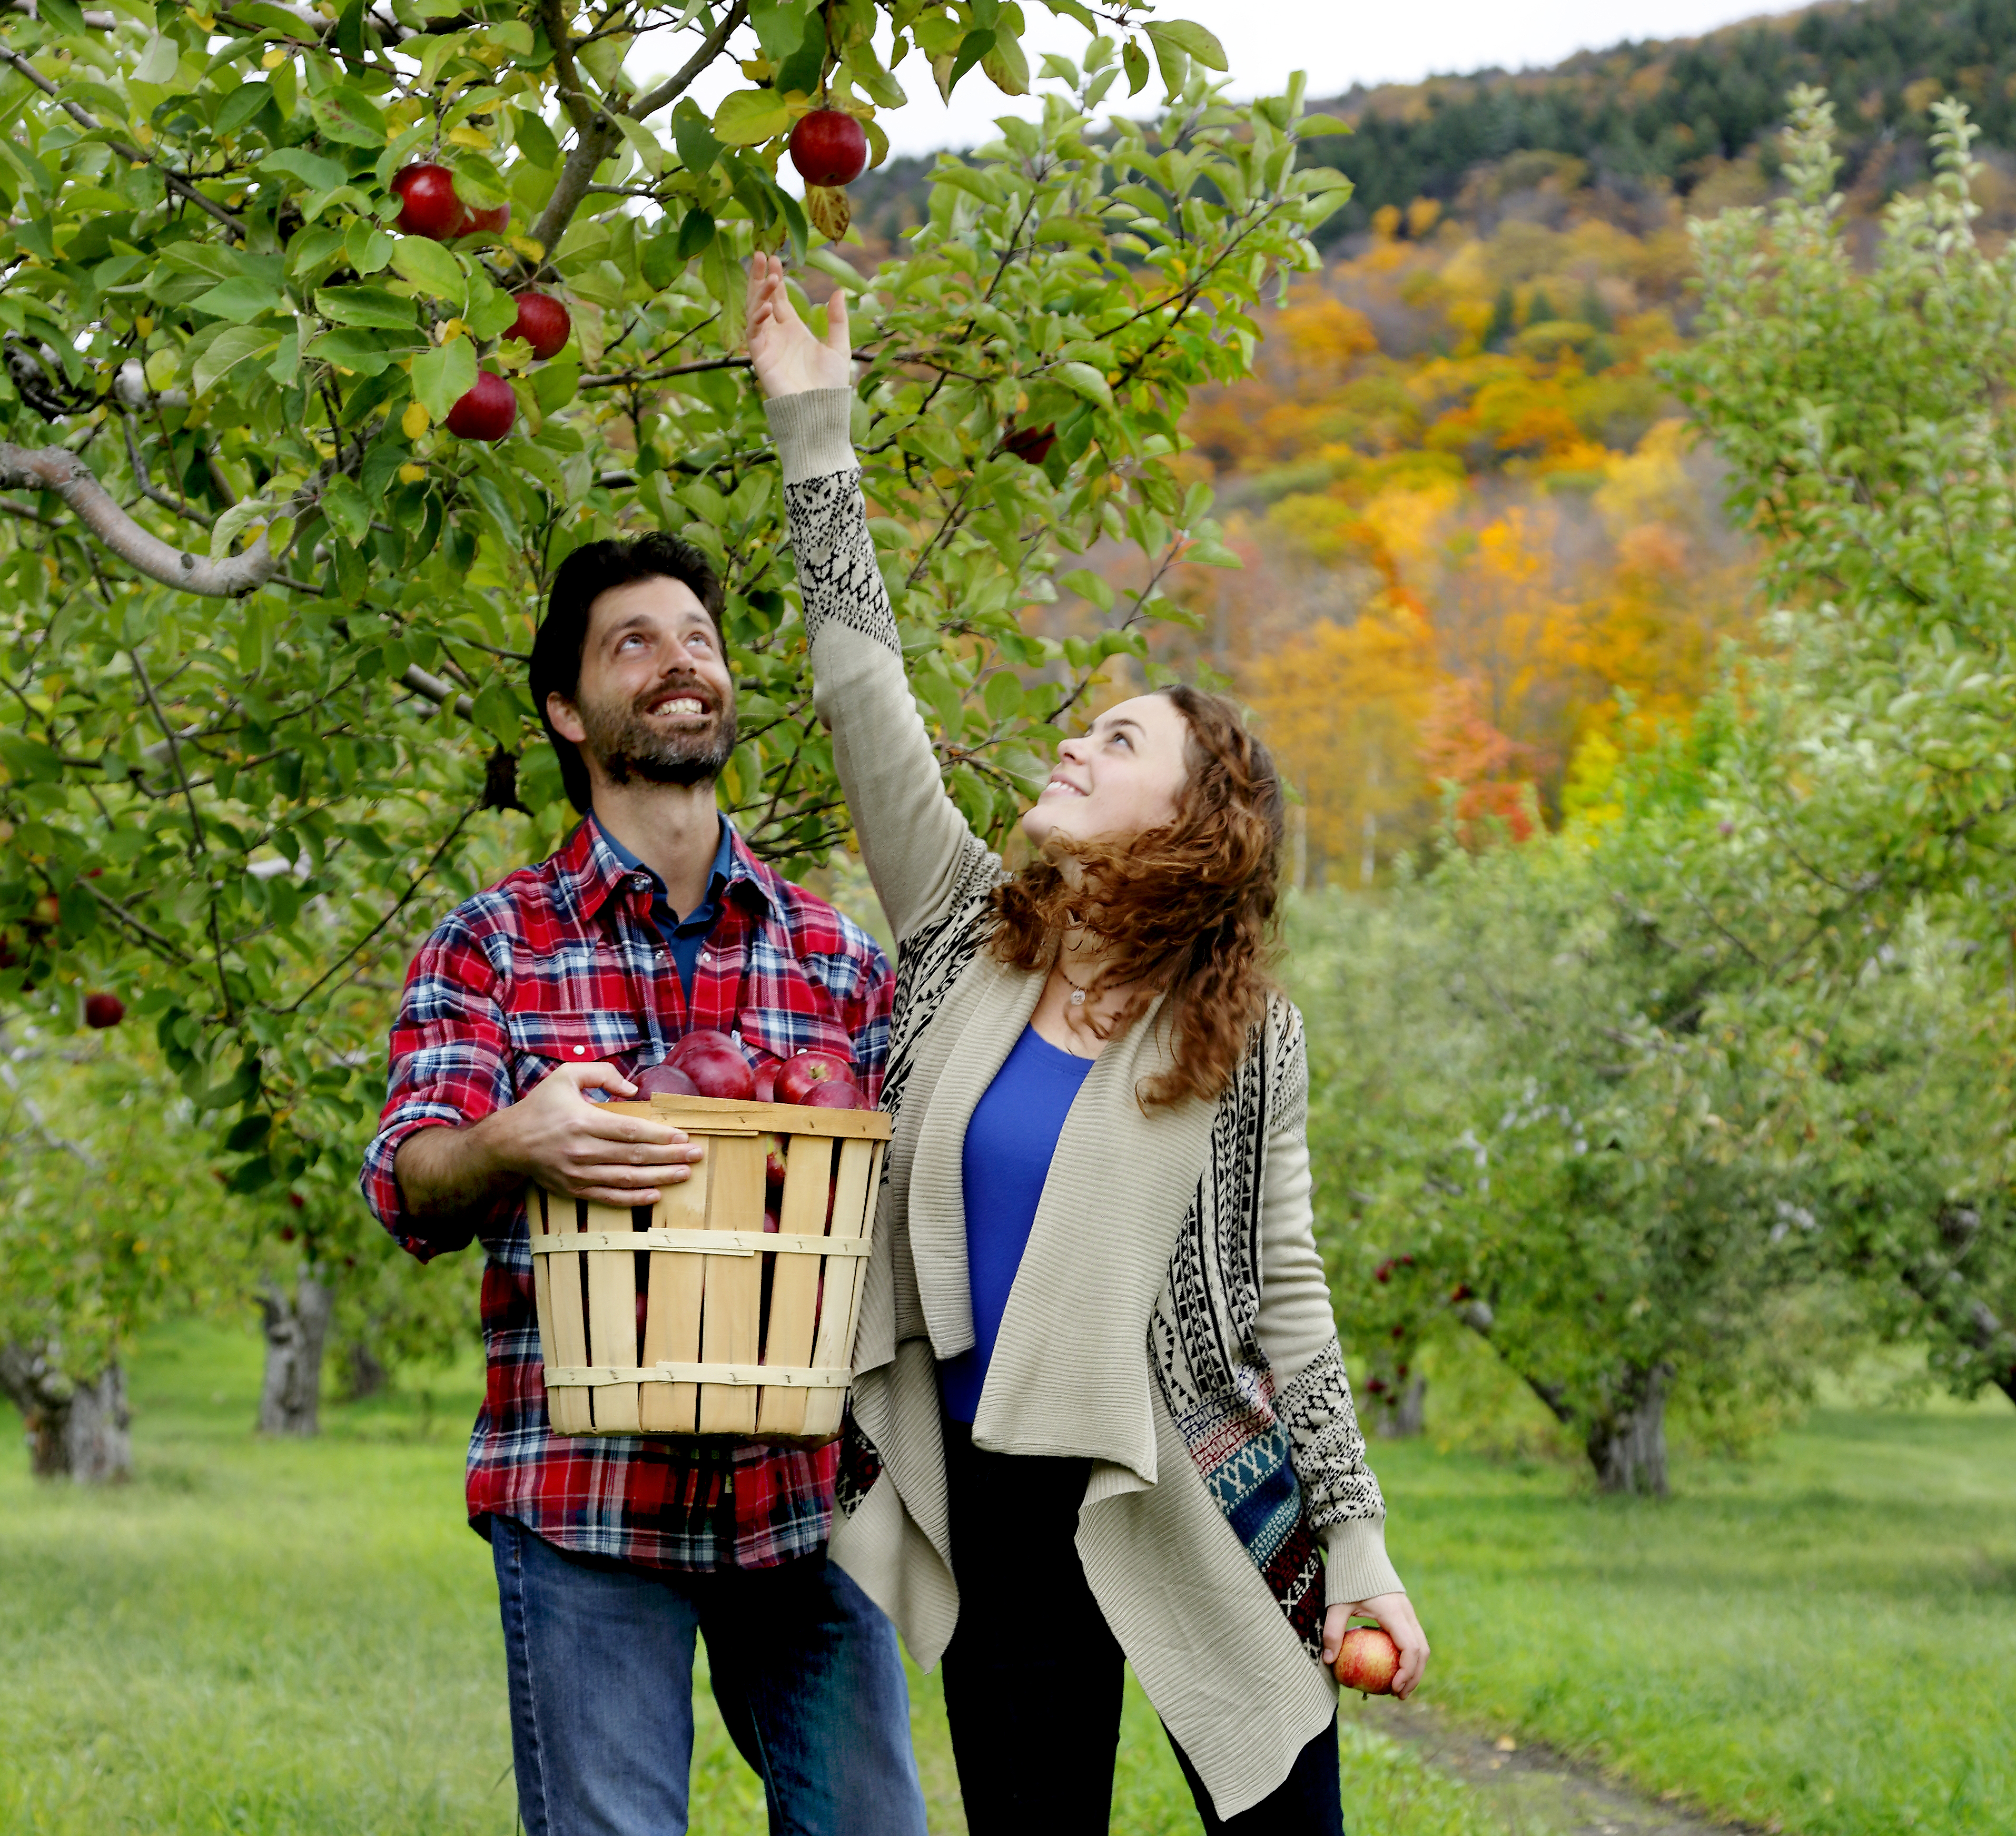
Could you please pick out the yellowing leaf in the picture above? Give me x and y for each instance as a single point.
(750, 116)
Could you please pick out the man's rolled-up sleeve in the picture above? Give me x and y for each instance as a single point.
(450, 1067)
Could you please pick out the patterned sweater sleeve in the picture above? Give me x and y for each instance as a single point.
(1297, 1331)
(922, 858)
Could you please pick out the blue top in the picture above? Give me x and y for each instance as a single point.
(683, 936)
(1010, 1144)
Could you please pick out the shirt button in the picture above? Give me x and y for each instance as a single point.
(581, 1052)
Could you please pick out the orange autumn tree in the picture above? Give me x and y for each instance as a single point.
(1470, 516)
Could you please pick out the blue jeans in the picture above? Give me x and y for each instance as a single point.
(805, 1670)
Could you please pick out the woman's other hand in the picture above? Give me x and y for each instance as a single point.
(1395, 1614)
(788, 360)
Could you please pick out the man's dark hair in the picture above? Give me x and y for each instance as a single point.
(586, 575)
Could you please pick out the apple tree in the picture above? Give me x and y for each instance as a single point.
(330, 333)
(1865, 416)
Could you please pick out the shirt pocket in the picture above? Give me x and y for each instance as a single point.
(541, 1041)
(781, 1033)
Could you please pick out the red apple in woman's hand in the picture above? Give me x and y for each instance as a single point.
(1367, 1661)
(797, 1077)
(665, 1080)
(833, 1095)
(543, 322)
(714, 1063)
(828, 147)
(427, 203)
(487, 412)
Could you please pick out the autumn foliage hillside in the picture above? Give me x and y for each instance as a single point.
(1480, 548)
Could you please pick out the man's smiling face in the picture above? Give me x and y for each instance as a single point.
(655, 700)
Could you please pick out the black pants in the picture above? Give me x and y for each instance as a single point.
(1033, 1676)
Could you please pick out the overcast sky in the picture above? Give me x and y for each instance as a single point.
(1338, 45)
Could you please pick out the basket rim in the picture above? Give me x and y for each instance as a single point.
(728, 1114)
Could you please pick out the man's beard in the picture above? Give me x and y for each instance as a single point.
(627, 747)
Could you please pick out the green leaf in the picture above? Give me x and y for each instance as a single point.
(491, 311)
(535, 140)
(241, 300)
(1134, 60)
(697, 147)
(750, 117)
(1082, 380)
(347, 116)
(355, 347)
(234, 345)
(309, 169)
(361, 305)
(432, 268)
(241, 105)
(345, 506)
(443, 376)
(1191, 38)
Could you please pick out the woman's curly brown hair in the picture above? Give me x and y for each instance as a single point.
(1187, 909)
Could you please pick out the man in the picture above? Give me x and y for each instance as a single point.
(565, 979)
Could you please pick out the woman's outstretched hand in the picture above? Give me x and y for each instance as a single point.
(1395, 1614)
(788, 360)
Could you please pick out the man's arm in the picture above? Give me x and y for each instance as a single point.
(453, 1148)
(555, 1137)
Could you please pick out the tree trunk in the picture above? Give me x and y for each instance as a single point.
(363, 1374)
(290, 1398)
(76, 1430)
(1627, 1445)
(1404, 1411)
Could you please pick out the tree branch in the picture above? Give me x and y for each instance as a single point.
(596, 133)
(56, 469)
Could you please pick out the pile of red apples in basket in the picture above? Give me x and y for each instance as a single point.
(708, 1063)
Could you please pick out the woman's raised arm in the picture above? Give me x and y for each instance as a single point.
(921, 852)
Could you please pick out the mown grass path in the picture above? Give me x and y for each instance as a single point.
(302, 1639)
(1824, 1638)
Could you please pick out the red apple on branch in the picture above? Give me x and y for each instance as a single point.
(487, 412)
(427, 203)
(1031, 444)
(797, 1076)
(714, 1063)
(493, 222)
(1367, 1661)
(828, 147)
(543, 321)
(102, 1010)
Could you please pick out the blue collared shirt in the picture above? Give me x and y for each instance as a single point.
(683, 936)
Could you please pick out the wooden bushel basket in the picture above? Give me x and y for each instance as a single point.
(715, 1358)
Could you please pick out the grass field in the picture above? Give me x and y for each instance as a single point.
(301, 1638)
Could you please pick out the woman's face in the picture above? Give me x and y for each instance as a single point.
(1123, 777)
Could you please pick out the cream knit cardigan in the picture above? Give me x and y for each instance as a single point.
(1171, 1273)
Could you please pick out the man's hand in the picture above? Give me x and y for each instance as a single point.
(556, 1138)
(1395, 1614)
(788, 360)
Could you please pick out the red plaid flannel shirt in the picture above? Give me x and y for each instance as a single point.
(560, 963)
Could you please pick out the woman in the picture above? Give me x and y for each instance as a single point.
(1100, 1407)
